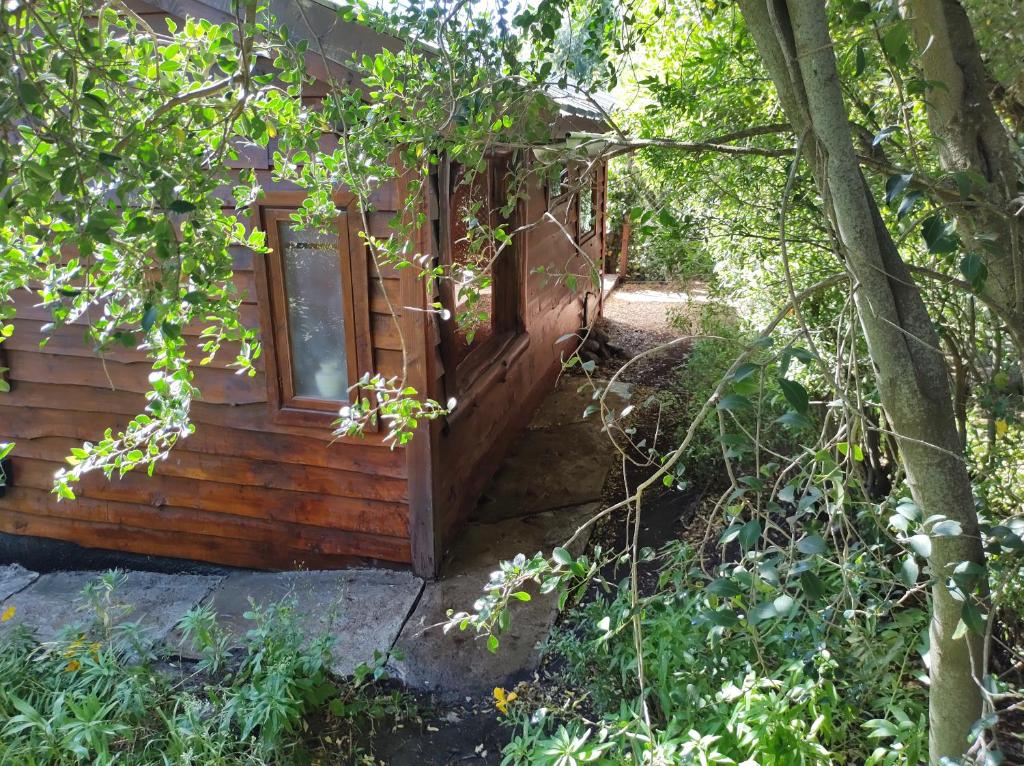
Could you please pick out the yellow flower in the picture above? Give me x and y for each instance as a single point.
(1002, 427)
(8, 613)
(74, 646)
(502, 699)
(72, 666)
(94, 649)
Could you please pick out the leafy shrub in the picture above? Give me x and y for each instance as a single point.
(727, 683)
(98, 694)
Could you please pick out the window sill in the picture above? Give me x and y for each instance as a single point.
(322, 420)
(299, 416)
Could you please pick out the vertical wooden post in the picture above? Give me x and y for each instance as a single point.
(424, 532)
(624, 248)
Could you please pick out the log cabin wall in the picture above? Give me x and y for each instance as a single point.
(246, 489)
(473, 441)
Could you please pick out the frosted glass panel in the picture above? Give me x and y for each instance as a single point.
(316, 319)
(587, 205)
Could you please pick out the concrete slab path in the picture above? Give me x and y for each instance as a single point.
(363, 609)
(157, 602)
(458, 664)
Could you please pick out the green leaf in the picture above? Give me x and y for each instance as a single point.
(895, 185)
(744, 371)
(879, 728)
(884, 133)
(763, 611)
(562, 556)
(749, 534)
(731, 402)
(896, 44)
(784, 605)
(723, 587)
(794, 420)
(921, 545)
(492, 643)
(859, 10)
(947, 528)
(725, 618)
(30, 94)
(939, 235)
(812, 584)
(909, 203)
(181, 206)
(812, 545)
(148, 319)
(795, 394)
(974, 270)
(909, 571)
(973, 618)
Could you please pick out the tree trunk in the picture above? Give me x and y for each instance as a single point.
(793, 39)
(970, 138)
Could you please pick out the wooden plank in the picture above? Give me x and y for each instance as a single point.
(385, 296)
(183, 464)
(246, 417)
(217, 386)
(263, 503)
(286, 192)
(26, 308)
(388, 362)
(448, 346)
(258, 554)
(624, 249)
(385, 332)
(33, 422)
(71, 341)
(187, 521)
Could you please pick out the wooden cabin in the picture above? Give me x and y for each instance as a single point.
(262, 483)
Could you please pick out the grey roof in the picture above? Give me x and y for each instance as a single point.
(576, 102)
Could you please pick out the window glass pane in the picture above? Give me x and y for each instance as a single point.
(316, 319)
(587, 205)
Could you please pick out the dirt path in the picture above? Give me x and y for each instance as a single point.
(639, 316)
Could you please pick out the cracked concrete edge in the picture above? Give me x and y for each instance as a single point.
(14, 578)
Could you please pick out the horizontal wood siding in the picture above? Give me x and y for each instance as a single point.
(244, 489)
(477, 439)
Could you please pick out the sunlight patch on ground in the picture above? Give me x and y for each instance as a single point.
(660, 296)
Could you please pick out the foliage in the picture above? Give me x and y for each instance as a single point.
(100, 694)
(779, 688)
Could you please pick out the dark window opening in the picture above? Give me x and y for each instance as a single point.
(487, 311)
